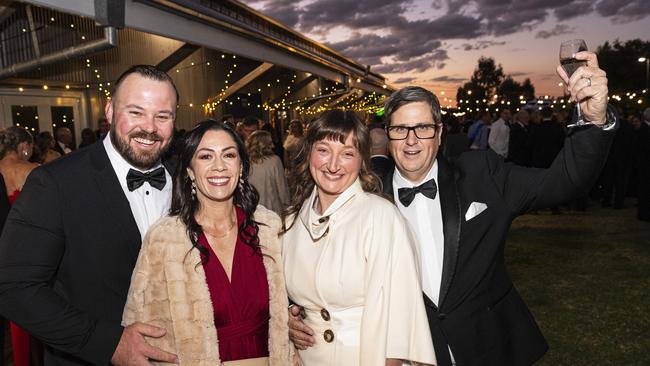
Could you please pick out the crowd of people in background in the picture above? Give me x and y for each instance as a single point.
(527, 137)
(534, 137)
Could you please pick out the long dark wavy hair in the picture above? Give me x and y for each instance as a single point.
(185, 206)
(335, 125)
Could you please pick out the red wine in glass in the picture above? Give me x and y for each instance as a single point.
(570, 64)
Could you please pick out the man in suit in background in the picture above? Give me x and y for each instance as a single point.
(103, 127)
(64, 141)
(72, 239)
(519, 144)
(460, 214)
(380, 162)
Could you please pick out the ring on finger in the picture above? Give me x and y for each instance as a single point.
(588, 81)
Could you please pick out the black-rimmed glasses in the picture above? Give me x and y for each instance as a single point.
(421, 131)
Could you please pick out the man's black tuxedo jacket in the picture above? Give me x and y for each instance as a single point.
(67, 252)
(480, 314)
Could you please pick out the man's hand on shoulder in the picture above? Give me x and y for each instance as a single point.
(134, 350)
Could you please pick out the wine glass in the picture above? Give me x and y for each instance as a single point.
(570, 64)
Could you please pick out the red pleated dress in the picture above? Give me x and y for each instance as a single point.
(241, 305)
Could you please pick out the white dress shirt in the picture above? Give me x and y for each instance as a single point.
(424, 216)
(499, 137)
(148, 204)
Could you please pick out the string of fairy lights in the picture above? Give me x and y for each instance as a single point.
(370, 102)
(496, 103)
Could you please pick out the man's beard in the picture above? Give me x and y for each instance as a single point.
(140, 160)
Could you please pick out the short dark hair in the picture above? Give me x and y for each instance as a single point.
(149, 72)
(408, 95)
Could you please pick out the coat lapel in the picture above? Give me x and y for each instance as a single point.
(115, 200)
(451, 220)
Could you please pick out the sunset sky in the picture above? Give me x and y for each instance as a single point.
(436, 43)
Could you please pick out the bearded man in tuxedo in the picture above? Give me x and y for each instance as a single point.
(71, 241)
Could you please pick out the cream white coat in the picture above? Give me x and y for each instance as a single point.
(358, 262)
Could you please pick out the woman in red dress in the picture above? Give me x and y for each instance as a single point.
(211, 273)
(16, 147)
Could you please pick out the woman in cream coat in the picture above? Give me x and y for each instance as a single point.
(211, 273)
(350, 262)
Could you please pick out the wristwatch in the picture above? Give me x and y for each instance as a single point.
(610, 120)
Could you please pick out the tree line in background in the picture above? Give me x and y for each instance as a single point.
(625, 73)
(489, 82)
(619, 59)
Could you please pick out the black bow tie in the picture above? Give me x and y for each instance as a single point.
(407, 195)
(156, 179)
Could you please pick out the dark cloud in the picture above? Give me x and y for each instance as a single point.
(436, 4)
(285, 11)
(518, 73)
(454, 6)
(480, 45)
(447, 79)
(559, 29)
(433, 60)
(405, 80)
(623, 11)
(409, 44)
(510, 16)
(354, 14)
(574, 9)
(369, 45)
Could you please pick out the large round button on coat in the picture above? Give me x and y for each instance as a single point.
(325, 314)
(328, 336)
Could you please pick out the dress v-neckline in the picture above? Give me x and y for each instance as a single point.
(220, 265)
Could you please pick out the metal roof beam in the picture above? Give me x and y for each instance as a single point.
(177, 57)
(234, 88)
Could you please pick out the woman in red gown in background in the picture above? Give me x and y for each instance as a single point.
(16, 147)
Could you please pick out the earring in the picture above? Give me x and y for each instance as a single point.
(241, 181)
(193, 190)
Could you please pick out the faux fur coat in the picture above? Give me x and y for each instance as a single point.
(169, 290)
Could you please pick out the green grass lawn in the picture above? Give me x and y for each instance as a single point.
(586, 278)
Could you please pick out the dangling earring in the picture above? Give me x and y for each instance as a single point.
(193, 190)
(241, 181)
